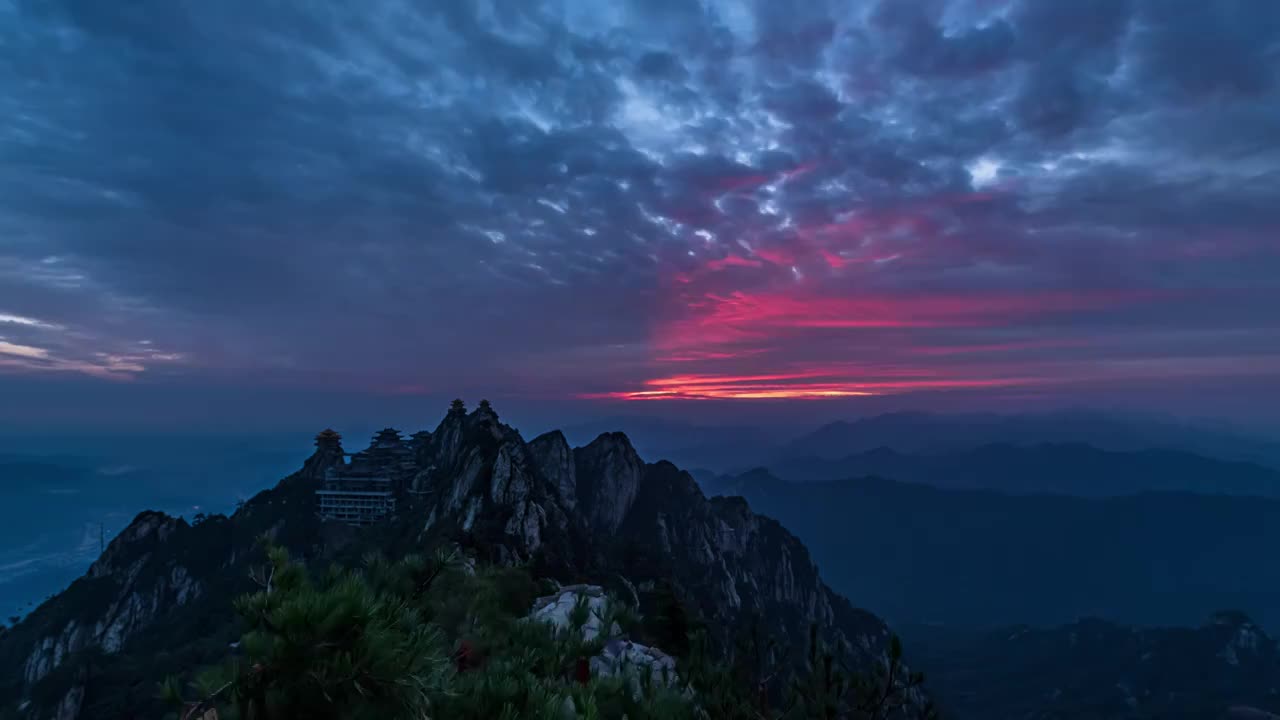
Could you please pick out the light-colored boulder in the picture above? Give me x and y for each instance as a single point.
(640, 664)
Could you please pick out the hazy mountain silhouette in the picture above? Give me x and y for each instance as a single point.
(915, 553)
(737, 448)
(927, 432)
(1068, 469)
(687, 444)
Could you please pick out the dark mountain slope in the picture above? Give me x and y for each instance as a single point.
(160, 598)
(920, 554)
(1092, 668)
(1072, 469)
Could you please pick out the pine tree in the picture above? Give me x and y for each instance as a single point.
(352, 646)
(888, 690)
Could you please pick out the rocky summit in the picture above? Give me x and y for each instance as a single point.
(159, 599)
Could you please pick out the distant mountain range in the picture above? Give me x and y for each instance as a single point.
(688, 445)
(922, 554)
(1022, 672)
(926, 432)
(733, 449)
(1074, 469)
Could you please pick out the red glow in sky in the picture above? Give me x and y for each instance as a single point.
(808, 385)
(816, 317)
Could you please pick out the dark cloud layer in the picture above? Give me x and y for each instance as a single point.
(712, 199)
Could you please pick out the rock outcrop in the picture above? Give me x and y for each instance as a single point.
(600, 509)
(162, 584)
(741, 566)
(608, 472)
(558, 610)
(136, 593)
(620, 656)
(554, 459)
(485, 482)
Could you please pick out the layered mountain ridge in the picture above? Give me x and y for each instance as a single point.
(1051, 468)
(159, 599)
(981, 558)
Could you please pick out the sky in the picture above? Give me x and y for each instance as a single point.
(257, 213)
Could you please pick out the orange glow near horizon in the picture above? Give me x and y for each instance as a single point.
(805, 385)
(738, 345)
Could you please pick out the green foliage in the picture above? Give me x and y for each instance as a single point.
(581, 612)
(825, 690)
(351, 646)
(885, 692)
(620, 614)
(411, 639)
(672, 628)
(457, 406)
(720, 693)
(822, 688)
(425, 638)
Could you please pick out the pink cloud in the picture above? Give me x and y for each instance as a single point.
(739, 315)
(811, 384)
(731, 261)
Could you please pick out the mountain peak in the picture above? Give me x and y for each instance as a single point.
(147, 526)
(596, 511)
(608, 471)
(554, 460)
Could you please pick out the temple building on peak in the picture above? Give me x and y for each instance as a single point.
(388, 454)
(363, 487)
(360, 488)
(355, 499)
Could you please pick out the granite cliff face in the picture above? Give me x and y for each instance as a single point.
(131, 585)
(600, 510)
(554, 459)
(484, 482)
(161, 586)
(597, 512)
(134, 597)
(741, 565)
(610, 471)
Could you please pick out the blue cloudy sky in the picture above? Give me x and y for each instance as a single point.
(212, 209)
